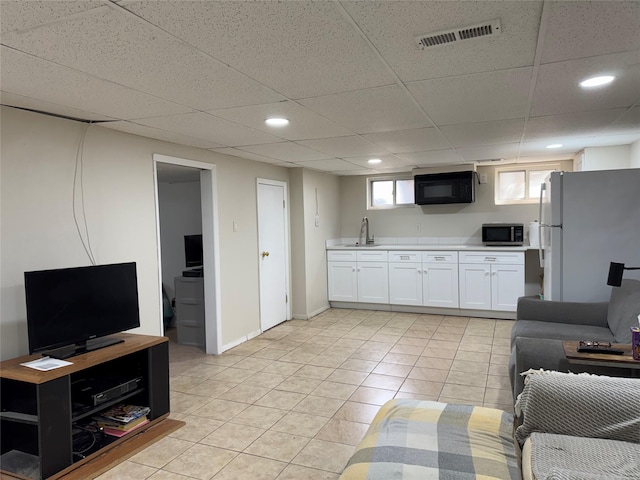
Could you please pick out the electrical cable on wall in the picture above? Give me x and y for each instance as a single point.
(80, 167)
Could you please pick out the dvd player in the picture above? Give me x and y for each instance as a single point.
(95, 391)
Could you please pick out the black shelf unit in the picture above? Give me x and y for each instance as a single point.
(39, 410)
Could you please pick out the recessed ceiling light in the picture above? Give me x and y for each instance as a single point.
(554, 145)
(597, 81)
(276, 121)
(374, 161)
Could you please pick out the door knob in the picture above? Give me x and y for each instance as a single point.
(265, 254)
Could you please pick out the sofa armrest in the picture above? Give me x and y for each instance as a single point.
(577, 313)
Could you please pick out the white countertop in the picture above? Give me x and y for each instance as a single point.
(425, 247)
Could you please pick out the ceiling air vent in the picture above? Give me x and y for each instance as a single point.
(490, 28)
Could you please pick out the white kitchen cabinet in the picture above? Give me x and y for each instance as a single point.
(423, 278)
(358, 276)
(343, 281)
(491, 281)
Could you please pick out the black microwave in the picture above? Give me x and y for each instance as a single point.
(443, 188)
(495, 234)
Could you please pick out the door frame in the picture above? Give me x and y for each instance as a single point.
(287, 262)
(210, 245)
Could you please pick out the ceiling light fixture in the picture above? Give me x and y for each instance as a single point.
(374, 161)
(597, 81)
(277, 122)
(554, 145)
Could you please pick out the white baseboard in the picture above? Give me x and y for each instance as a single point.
(312, 314)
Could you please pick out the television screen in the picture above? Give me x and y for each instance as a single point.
(78, 307)
(193, 250)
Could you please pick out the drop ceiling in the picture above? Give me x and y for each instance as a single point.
(348, 75)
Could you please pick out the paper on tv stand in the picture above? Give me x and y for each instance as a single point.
(46, 363)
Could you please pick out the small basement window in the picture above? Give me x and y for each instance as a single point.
(389, 192)
(521, 184)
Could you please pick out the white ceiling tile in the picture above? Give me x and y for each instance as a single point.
(388, 162)
(484, 133)
(21, 15)
(346, 173)
(572, 124)
(404, 141)
(208, 127)
(329, 165)
(316, 51)
(15, 100)
(392, 26)
(304, 124)
(234, 152)
(628, 121)
(475, 98)
(41, 80)
(557, 89)
(285, 151)
(432, 158)
(158, 134)
(141, 57)
(587, 29)
(352, 146)
(474, 154)
(380, 109)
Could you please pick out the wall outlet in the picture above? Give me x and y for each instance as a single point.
(235, 226)
(317, 220)
(417, 227)
(483, 178)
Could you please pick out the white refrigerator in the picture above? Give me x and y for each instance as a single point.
(587, 220)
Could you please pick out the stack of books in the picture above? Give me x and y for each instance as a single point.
(122, 419)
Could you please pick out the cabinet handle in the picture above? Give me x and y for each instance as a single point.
(489, 259)
(440, 258)
(404, 257)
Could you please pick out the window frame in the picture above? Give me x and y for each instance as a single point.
(386, 178)
(527, 168)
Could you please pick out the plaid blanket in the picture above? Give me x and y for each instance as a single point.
(413, 439)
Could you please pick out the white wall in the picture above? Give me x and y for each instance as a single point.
(606, 158)
(38, 154)
(180, 215)
(634, 155)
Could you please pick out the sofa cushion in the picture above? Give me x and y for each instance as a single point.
(559, 331)
(624, 308)
(567, 458)
(582, 405)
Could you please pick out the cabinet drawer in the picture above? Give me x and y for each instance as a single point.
(341, 255)
(440, 257)
(513, 258)
(372, 255)
(401, 257)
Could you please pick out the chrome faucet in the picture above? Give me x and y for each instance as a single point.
(364, 230)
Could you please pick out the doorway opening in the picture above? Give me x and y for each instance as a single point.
(186, 206)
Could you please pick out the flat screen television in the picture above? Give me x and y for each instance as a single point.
(193, 250)
(74, 310)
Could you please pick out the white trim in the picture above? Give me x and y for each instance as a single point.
(211, 243)
(312, 314)
(239, 341)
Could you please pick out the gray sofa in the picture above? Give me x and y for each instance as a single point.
(541, 326)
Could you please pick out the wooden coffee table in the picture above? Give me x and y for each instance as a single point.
(601, 359)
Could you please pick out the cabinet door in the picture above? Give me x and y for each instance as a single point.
(343, 281)
(475, 286)
(507, 284)
(405, 283)
(373, 282)
(440, 285)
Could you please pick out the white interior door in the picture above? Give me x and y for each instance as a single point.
(273, 253)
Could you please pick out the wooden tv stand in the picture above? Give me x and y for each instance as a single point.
(39, 411)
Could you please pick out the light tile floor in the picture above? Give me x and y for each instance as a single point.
(293, 402)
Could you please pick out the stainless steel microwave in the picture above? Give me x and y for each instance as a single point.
(494, 234)
(443, 188)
